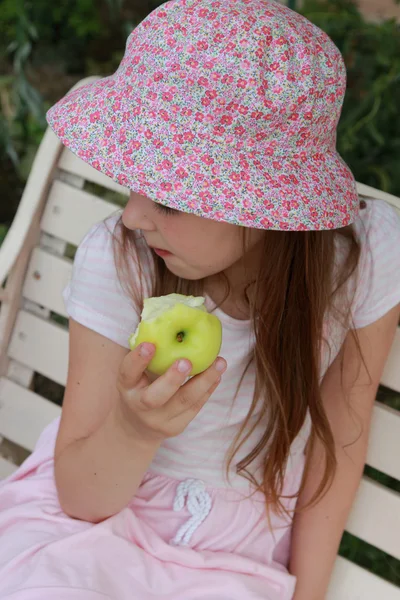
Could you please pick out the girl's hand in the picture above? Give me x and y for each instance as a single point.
(162, 409)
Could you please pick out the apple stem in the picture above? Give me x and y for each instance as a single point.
(180, 336)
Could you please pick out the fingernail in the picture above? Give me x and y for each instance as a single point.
(220, 364)
(183, 366)
(146, 350)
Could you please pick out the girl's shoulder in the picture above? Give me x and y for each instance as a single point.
(378, 280)
(96, 295)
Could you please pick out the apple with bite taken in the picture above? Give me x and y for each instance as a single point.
(180, 327)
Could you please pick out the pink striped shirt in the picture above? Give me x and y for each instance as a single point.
(95, 299)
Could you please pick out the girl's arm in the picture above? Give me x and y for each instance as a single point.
(317, 532)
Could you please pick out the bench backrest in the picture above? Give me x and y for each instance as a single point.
(56, 211)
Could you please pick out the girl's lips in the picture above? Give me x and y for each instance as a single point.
(162, 253)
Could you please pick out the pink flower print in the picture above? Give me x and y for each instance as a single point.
(230, 46)
(202, 81)
(235, 177)
(226, 120)
(167, 96)
(164, 115)
(274, 66)
(158, 76)
(111, 148)
(256, 114)
(158, 143)
(219, 37)
(166, 186)
(122, 137)
(116, 106)
(267, 223)
(269, 150)
(142, 69)
(219, 130)
(166, 164)
(268, 204)
(291, 77)
(192, 63)
(179, 152)
(243, 110)
(203, 12)
(205, 196)
(128, 161)
(135, 145)
(306, 70)
(241, 83)
(219, 215)
(206, 101)
(199, 117)
(240, 130)
(202, 45)
(148, 134)
(229, 206)
(122, 179)
(95, 116)
(228, 79)
(207, 159)
(182, 173)
(96, 165)
(205, 208)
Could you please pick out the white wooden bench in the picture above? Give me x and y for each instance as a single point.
(55, 211)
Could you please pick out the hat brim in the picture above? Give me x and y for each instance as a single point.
(135, 145)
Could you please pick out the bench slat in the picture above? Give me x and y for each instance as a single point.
(46, 277)
(385, 433)
(70, 212)
(375, 517)
(40, 345)
(70, 162)
(391, 373)
(6, 468)
(24, 414)
(351, 582)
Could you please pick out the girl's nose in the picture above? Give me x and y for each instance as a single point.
(137, 213)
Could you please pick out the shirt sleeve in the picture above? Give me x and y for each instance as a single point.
(94, 296)
(378, 287)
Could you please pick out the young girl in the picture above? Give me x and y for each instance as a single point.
(235, 484)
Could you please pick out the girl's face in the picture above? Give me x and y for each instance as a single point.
(196, 247)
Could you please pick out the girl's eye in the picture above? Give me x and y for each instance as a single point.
(165, 210)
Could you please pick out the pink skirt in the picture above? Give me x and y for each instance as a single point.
(176, 540)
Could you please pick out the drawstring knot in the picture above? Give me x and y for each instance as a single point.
(198, 503)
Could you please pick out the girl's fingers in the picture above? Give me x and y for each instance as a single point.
(195, 393)
(134, 365)
(163, 388)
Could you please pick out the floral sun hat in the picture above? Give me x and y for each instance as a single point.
(226, 109)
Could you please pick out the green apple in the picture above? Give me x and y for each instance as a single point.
(180, 327)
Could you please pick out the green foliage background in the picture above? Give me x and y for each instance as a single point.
(45, 47)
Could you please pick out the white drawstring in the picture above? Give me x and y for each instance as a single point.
(198, 502)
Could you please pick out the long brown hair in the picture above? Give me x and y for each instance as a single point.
(297, 286)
